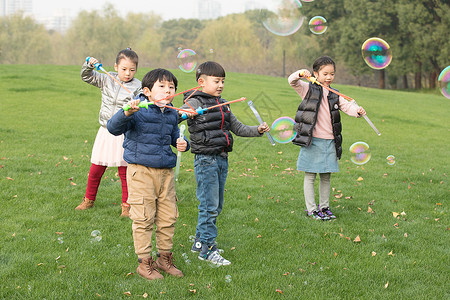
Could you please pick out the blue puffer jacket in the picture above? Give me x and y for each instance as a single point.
(149, 133)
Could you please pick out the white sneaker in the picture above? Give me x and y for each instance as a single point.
(213, 256)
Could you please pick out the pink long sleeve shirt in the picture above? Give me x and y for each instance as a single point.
(323, 128)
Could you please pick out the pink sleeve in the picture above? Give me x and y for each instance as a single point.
(350, 108)
(300, 86)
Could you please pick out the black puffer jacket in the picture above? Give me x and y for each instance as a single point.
(306, 118)
(210, 132)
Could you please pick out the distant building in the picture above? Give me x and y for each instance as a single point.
(209, 9)
(60, 21)
(10, 7)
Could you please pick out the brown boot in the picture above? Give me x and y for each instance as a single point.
(125, 210)
(147, 269)
(86, 204)
(164, 262)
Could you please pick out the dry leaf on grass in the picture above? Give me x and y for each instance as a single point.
(279, 291)
(357, 239)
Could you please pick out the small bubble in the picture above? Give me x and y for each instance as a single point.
(188, 261)
(228, 278)
(305, 282)
(60, 240)
(321, 268)
(96, 236)
(220, 251)
(184, 255)
(191, 238)
(119, 245)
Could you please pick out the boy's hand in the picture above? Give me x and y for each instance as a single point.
(361, 111)
(263, 128)
(304, 73)
(133, 107)
(93, 61)
(181, 144)
(189, 115)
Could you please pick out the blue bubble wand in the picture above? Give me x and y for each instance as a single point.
(258, 117)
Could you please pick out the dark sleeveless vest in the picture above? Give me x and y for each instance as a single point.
(306, 118)
(210, 132)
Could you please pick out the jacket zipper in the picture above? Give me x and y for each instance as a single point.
(221, 125)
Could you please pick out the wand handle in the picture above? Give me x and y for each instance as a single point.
(258, 117)
(177, 168)
(371, 125)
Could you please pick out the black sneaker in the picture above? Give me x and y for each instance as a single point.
(197, 246)
(327, 212)
(318, 215)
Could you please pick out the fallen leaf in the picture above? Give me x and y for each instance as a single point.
(129, 274)
(279, 291)
(301, 270)
(40, 264)
(281, 152)
(248, 197)
(360, 179)
(258, 236)
(349, 197)
(405, 235)
(256, 220)
(98, 295)
(370, 210)
(357, 239)
(403, 213)
(338, 196)
(438, 203)
(391, 253)
(59, 233)
(145, 295)
(386, 285)
(73, 183)
(374, 253)
(127, 293)
(396, 225)
(335, 254)
(395, 214)
(233, 248)
(9, 178)
(193, 291)
(189, 170)
(65, 158)
(287, 273)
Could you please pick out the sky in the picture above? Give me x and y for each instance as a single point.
(167, 9)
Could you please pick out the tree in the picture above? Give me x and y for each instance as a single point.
(23, 41)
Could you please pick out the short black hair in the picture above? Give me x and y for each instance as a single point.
(210, 68)
(158, 74)
(127, 53)
(323, 61)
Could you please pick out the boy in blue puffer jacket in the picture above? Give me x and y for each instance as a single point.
(149, 133)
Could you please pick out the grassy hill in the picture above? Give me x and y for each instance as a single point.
(48, 123)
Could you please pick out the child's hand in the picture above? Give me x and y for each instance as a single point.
(190, 114)
(181, 144)
(133, 107)
(304, 73)
(361, 111)
(263, 128)
(93, 61)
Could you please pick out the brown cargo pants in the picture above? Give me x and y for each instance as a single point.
(152, 199)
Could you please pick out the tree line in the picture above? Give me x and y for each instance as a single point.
(417, 32)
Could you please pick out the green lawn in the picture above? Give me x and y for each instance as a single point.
(48, 123)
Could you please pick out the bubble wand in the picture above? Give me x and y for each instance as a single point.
(314, 80)
(99, 67)
(177, 168)
(200, 110)
(258, 117)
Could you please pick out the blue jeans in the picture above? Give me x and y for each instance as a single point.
(211, 173)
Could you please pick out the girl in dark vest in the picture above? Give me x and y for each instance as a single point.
(318, 126)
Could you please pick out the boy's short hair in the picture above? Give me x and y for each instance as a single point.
(158, 74)
(210, 68)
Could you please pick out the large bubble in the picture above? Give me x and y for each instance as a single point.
(444, 82)
(187, 60)
(283, 130)
(318, 25)
(359, 153)
(282, 17)
(376, 53)
(390, 159)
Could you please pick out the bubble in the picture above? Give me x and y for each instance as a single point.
(390, 160)
(228, 279)
(282, 17)
(60, 240)
(307, 0)
(444, 82)
(187, 60)
(376, 53)
(283, 130)
(191, 238)
(96, 236)
(211, 50)
(318, 25)
(359, 153)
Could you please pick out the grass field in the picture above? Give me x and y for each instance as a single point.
(48, 123)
